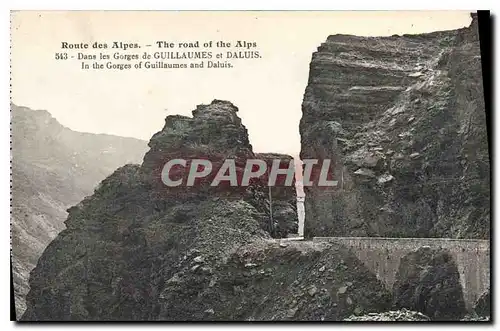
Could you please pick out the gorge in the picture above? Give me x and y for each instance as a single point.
(398, 116)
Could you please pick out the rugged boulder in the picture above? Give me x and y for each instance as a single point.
(403, 120)
(53, 168)
(214, 133)
(428, 281)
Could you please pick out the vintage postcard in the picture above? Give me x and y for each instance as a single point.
(250, 166)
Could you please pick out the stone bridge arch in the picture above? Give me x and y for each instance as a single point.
(383, 255)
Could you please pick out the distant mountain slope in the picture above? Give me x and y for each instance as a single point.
(54, 168)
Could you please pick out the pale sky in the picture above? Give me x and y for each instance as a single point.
(268, 91)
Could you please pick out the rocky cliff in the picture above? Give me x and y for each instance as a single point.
(137, 250)
(215, 133)
(53, 168)
(403, 120)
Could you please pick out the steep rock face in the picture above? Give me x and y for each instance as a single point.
(136, 250)
(402, 118)
(428, 281)
(53, 168)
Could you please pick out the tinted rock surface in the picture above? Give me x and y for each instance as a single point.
(403, 120)
(53, 168)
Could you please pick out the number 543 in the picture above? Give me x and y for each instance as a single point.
(61, 56)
